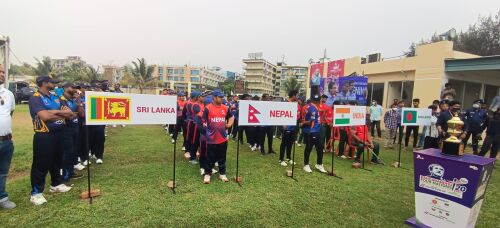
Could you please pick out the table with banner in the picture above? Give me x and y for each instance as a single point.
(449, 190)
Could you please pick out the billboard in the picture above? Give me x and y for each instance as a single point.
(316, 74)
(352, 89)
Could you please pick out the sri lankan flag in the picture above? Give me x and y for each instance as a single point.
(342, 115)
(109, 108)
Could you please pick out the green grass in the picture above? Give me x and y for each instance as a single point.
(138, 165)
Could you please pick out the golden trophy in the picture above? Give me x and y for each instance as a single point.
(453, 145)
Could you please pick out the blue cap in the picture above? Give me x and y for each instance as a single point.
(45, 78)
(194, 94)
(181, 94)
(218, 93)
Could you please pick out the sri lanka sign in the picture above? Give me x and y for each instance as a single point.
(122, 108)
(346, 115)
(267, 113)
(416, 116)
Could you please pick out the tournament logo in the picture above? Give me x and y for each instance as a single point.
(109, 108)
(251, 114)
(435, 181)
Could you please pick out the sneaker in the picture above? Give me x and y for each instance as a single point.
(223, 178)
(283, 163)
(206, 179)
(187, 155)
(7, 204)
(274, 136)
(253, 148)
(38, 199)
(166, 128)
(171, 135)
(76, 176)
(214, 171)
(59, 188)
(173, 141)
(216, 164)
(307, 169)
(86, 163)
(291, 162)
(79, 167)
(79, 160)
(98, 161)
(343, 157)
(183, 148)
(320, 168)
(194, 162)
(202, 171)
(93, 156)
(298, 144)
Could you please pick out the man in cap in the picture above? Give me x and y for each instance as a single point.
(197, 108)
(83, 147)
(216, 119)
(475, 118)
(313, 126)
(7, 106)
(70, 136)
(48, 123)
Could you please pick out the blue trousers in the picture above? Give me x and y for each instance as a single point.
(6, 152)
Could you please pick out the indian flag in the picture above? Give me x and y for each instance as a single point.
(410, 116)
(96, 108)
(342, 116)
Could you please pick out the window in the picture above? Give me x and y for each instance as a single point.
(401, 90)
(195, 79)
(181, 71)
(170, 78)
(195, 72)
(170, 71)
(375, 92)
(176, 71)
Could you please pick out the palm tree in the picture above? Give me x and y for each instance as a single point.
(142, 73)
(44, 67)
(292, 84)
(93, 74)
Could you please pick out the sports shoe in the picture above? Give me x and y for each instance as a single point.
(307, 169)
(7, 204)
(291, 162)
(173, 141)
(253, 148)
(202, 171)
(216, 164)
(274, 136)
(93, 156)
(320, 168)
(214, 171)
(223, 178)
(183, 148)
(187, 155)
(98, 161)
(38, 199)
(206, 179)
(79, 167)
(298, 144)
(86, 162)
(59, 188)
(283, 163)
(343, 157)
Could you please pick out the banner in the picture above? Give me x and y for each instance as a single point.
(353, 88)
(330, 83)
(126, 108)
(416, 116)
(316, 74)
(346, 115)
(267, 113)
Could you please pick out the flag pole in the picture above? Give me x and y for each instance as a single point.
(238, 178)
(88, 161)
(333, 154)
(173, 184)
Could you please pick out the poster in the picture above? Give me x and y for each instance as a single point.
(346, 115)
(127, 108)
(353, 88)
(316, 74)
(267, 113)
(330, 83)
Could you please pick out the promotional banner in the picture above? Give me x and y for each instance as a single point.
(346, 115)
(267, 113)
(353, 88)
(316, 74)
(449, 190)
(416, 117)
(126, 108)
(330, 83)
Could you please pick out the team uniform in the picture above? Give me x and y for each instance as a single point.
(48, 148)
(313, 135)
(214, 118)
(197, 109)
(70, 138)
(362, 134)
(179, 124)
(289, 135)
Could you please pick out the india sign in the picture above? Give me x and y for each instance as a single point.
(123, 108)
(346, 115)
(416, 116)
(267, 113)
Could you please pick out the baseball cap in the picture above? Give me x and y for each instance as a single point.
(218, 93)
(195, 94)
(181, 94)
(46, 78)
(316, 97)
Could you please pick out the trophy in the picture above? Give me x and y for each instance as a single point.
(453, 145)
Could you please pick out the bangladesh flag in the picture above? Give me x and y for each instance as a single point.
(342, 116)
(410, 117)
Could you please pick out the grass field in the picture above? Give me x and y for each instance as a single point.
(138, 165)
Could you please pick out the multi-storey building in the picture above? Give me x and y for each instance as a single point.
(260, 75)
(61, 63)
(285, 72)
(189, 77)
